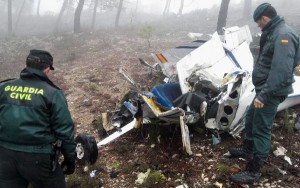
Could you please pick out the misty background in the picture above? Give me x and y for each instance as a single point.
(43, 17)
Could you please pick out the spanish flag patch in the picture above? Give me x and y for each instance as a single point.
(284, 41)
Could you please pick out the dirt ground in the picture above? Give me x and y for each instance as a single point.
(87, 71)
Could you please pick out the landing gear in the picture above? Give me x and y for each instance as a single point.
(86, 149)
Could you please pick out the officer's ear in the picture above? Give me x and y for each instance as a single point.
(47, 70)
(265, 19)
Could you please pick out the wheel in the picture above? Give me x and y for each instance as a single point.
(86, 149)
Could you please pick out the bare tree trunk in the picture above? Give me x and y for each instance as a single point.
(19, 15)
(167, 8)
(247, 9)
(119, 13)
(77, 16)
(61, 12)
(94, 14)
(9, 28)
(38, 8)
(136, 6)
(133, 14)
(181, 7)
(222, 16)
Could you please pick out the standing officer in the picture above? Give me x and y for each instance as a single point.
(272, 77)
(33, 116)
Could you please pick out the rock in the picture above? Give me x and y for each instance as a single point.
(141, 177)
(219, 185)
(174, 156)
(114, 174)
(183, 186)
(86, 168)
(228, 154)
(297, 125)
(87, 102)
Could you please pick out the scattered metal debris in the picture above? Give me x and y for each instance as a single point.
(208, 80)
(93, 173)
(281, 151)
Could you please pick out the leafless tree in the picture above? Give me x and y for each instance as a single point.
(222, 16)
(61, 12)
(136, 6)
(19, 15)
(167, 8)
(77, 16)
(133, 13)
(119, 13)
(38, 8)
(247, 9)
(9, 16)
(181, 7)
(94, 14)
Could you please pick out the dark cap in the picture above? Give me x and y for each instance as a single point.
(260, 10)
(41, 56)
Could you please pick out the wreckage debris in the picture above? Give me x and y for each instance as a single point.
(208, 83)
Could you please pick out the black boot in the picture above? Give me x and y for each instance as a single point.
(245, 152)
(250, 175)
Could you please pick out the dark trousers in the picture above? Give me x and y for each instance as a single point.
(18, 169)
(258, 127)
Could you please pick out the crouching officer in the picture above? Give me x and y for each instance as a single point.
(33, 117)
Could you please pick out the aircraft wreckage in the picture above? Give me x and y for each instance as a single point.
(208, 80)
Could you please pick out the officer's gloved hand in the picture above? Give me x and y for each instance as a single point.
(70, 167)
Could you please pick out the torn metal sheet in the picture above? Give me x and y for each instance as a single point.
(203, 58)
(281, 151)
(235, 36)
(293, 98)
(216, 58)
(169, 58)
(118, 133)
(106, 122)
(185, 136)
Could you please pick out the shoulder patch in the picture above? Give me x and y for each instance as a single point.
(285, 41)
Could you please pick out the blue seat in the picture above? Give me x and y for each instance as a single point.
(166, 93)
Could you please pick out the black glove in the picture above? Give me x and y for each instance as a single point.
(70, 167)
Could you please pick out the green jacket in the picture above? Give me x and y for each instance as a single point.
(279, 53)
(34, 114)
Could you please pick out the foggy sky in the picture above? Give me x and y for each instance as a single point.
(147, 6)
(147, 12)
